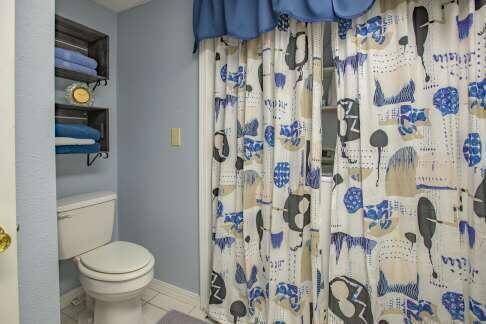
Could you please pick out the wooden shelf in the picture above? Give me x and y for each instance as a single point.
(77, 76)
(73, 36)
(95, 117)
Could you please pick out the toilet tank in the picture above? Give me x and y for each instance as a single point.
(85, 222)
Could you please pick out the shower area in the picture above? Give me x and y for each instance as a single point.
(329, 120)
(344, 162)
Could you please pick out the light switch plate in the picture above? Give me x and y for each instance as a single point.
(175, 136)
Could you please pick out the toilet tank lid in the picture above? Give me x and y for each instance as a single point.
(84, 200)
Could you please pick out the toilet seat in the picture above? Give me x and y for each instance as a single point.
(116, 261)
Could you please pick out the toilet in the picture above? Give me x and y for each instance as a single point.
(115, 273)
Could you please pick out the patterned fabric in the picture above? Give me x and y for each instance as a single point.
(266, 175)
(408, 215)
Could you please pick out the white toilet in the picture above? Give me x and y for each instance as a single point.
(113, 274)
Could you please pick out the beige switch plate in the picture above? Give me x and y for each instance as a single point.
(175, 137)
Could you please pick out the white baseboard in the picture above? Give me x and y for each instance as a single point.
(162, 287)
(68, 297)
(175, 292)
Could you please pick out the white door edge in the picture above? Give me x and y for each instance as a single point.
(9, 294)
(205, 112)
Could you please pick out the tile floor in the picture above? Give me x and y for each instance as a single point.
(155, 306)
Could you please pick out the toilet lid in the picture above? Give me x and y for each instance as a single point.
(116, 258)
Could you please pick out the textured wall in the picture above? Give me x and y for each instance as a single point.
(73, 175)
(35, 167)
(158, 183)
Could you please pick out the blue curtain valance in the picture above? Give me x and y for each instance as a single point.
(246, 19)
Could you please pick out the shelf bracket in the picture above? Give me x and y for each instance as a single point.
(97, 83)
(90, 161)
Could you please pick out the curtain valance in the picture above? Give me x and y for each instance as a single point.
(246, 19)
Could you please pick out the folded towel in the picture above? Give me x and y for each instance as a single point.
(60, 63)
(78, 149)
(76, 57)
(77, 131)
(73, 141)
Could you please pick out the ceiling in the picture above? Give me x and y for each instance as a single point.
(120, 5)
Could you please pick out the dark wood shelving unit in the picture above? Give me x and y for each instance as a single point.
(95, 117)
(73, 36)
(87, 41)
(78, 76)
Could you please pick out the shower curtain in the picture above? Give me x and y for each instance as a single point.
(408, 230)
(266, 175)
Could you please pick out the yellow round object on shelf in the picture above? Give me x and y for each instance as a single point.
(81, 95)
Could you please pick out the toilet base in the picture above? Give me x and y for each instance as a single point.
(119, 312)
(117, 297)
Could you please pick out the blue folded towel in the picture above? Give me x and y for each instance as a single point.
(76, 131)
(78, 149)
(76, 57)
(74, 67)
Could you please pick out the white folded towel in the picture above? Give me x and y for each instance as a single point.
(73, 141)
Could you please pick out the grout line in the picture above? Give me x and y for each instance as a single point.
(147, 300)
(62, 313)
(179, 299)
(167, 310)
(66, 314)
(153, 297)
(193, 307)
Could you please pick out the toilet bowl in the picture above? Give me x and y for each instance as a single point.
(113, 274)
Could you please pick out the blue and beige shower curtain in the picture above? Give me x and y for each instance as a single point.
(266, 175)
(408, 220)
(402, 239)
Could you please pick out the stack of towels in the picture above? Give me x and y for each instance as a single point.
(76, 138)
(75, 61)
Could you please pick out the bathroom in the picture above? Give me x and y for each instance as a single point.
(348, 185)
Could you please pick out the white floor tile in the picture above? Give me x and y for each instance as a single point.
(152, 314)
(148, 294)
(198, 313)
(73, 311)
(67, 320)
(169, 303)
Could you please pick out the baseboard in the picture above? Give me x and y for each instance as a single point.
(175, 292)
(158, 285)
(68, 297)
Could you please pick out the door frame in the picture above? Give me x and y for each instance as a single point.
(9, 292)
(205, 112)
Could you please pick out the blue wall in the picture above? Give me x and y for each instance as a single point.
(35, 167)
(73, 175)
(158, 183)
(158, 200)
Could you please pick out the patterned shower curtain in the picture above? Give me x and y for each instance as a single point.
(266, 175)
(408, 220)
